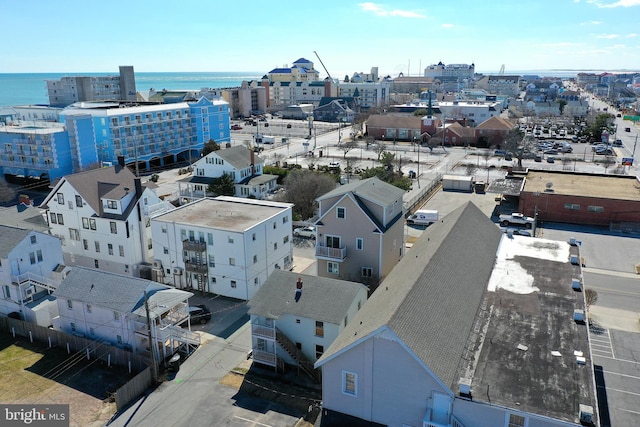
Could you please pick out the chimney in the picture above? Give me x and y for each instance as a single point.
(298, 289)
(121, 161)
(138, 188)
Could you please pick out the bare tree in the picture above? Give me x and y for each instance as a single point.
(519, 144)
(470, 169)
(590, 297)
(380, 148)
(347, 146)
(303, 187)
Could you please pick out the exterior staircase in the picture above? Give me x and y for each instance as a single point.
(303, 361)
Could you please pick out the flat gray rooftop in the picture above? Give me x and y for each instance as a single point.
(238, 215)
(521, 352)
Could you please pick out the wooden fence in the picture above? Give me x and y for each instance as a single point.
(95, 349)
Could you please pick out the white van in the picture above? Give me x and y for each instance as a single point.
(423, 217)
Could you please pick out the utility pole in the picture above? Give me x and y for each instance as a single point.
(152, 345)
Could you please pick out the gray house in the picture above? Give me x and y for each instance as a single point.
(295, 317)
(471, 328)
(360, 231)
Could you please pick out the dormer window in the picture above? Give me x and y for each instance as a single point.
(112, 204)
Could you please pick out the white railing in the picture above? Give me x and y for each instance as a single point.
(333, 253)
(264, 357)
(263, 331)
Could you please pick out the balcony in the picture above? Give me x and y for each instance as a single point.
(264, 357)
(334, 254)
(263, 331)
(197, 268)
(194, 245)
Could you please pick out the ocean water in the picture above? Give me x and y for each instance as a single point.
(30, 88)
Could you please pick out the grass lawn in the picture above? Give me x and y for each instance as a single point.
(34, 373)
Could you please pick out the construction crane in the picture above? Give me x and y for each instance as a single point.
(322, 63)
(501, 70)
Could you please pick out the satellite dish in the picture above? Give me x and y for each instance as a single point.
(549, 185)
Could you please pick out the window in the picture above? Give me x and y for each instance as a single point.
(596, 209)
(33, 240)
(255, 259)
(112, 204)
(85, 244)
(92, 223)
(53, 218)
(164, 228)
(97, 245)
(298, 321)
(359, 243)
(319, 329)
(275, 246)
(210, 239)
(88, 308)
(213, 280)
(285, 239)
(69, 304)
(232, 261)
(114, 227)
(78, 201)
(119, 339)
(116, 315)
(110, 248)
(253, 237)
(96, 263)
(274, 225)
(230, 239)
(60, 219)
(121, 250)
(366, 272)
(319, 351)
(285, 219)
(73, 327)
(332, 242)
(212, 261)
(60, 198)
(341, 213)
(572, 206)
(165, 250)
(85, 223)
(74, 234)
(332, 267)
(233, 284)
(349, 383)
(32, 257)
(516, 420)
(39, 255)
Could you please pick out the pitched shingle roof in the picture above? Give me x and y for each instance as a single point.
(405, 121)
(9, 238)
(323, 299)
(496, 122)
(116, 292)
(430, 299)
(238, 156)
(372, 189)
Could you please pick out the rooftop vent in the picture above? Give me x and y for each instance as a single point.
(586, 414)
(465, 387)
(575, 284)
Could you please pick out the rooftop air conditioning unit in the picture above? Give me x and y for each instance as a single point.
(157, 264)
(177, 271)
(586, 414)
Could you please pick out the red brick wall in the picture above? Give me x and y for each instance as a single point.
(551, 207)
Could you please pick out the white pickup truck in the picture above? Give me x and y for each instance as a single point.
(516, 219)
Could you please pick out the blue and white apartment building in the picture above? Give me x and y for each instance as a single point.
(92, 133)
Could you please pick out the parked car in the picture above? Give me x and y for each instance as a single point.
(288, 125)
(199, 313)
(617, 143)
(551, 159)
(236, 127)
(309, 232)
(566, 149)
(605, 151)
(551, 151)
(334, 164)
(538, 158)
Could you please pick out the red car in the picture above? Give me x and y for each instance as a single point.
(236, 127)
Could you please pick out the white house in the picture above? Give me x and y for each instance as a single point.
(31, 266)
(102, 218)
(471, 328)
(295, 317)
(224, 245)
(474, 111)
(241, 163)
(113, 308)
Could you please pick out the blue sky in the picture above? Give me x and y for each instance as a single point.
(350, 36)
